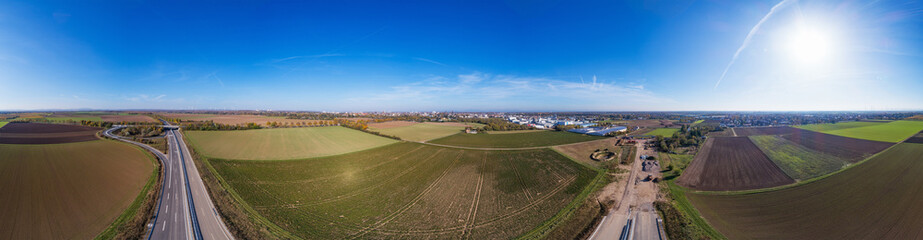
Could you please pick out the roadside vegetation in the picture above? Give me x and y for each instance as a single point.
(681, 220)
(132, 223)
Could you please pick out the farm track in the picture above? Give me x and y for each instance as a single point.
(522, 183)
(473, 210)
(554, 191)
(354, 193)
(409, 205)
(390, 160)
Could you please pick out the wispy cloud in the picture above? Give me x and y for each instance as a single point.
(487, 91)
(753, 31)
(429, 61)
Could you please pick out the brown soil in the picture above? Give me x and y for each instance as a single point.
(916, 138)
(752, 131)
(40, 133)
(67, 191)
(582, 151)
(732, 163)
(851, 149)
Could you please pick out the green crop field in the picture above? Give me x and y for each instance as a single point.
(68, 190)
(411, 191)
(795, 160)
(421, 132)
(514, 140)
(666, 132)
(895, 131)
(878, 199)
(836, 126)
(3, 124)
(283, 143)
(697, 122)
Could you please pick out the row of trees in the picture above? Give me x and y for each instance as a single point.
(141, 131)
(212, 126)
(496, 124)
(685, 137)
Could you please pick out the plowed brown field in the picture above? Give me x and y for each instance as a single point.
(40, 133)
(751, 131)
(67, 191)
(851, 149)
(878, 199)
(732, 163)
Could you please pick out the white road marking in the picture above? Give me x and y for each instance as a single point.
(164, 227)
(168, 209)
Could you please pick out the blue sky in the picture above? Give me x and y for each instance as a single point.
(462, 55)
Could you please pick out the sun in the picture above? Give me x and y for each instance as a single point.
(809, 46)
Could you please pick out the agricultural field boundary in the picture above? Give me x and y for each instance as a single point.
(133, 219)
(770, 189)
(215, 183)
(565, 214)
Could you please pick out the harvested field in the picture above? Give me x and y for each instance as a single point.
(409, 190)
(390, 124)
(878, 199)
(850, 149)
(732, 163)
(755, 131)
(67, 191)
(283, 143)
(797, 161)
(237, 119)
(514, 140)
(513, 131)
(41, 133)
(582, 151)
(128, 118)
(665, 132)
(421, 132)
(916, 138)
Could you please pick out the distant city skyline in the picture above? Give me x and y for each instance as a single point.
(511, 56)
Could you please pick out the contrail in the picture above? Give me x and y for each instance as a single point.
(753, 31)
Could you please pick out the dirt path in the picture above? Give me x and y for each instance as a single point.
(733, 132)
(634, 199)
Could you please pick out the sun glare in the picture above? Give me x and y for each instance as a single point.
(809, 46)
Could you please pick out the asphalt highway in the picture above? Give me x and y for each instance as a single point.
(184, 208)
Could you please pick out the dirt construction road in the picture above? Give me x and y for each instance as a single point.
(633, 217)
